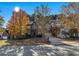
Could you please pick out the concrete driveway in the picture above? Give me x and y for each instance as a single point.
(40, 50)
(56, 48)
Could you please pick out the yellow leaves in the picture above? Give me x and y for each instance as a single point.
(71, 21)
(1, 30)
(55, 30)
(3, 42)
(18, 23)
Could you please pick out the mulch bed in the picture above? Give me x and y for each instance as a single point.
(33, 41)
(72, 39)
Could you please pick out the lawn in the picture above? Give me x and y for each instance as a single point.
(71, 41)
(3, 42)
(35, 41)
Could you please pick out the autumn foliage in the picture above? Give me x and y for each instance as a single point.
(18, 24)
(55, 30)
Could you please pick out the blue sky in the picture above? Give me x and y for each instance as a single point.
(8, 7)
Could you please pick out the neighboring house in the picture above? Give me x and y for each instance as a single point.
(55, 22)
(5, 35)
(66, 30)
(33, 29)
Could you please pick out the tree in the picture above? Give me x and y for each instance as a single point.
(18, 24)
(71, 12)
(1, 21)
(1, 24)
(42, 18)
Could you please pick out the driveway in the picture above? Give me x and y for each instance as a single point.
(56, 48)
(40, 50)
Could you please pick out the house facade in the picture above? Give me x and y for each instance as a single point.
(66, 30)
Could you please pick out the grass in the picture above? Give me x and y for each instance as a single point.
(3, 42)
(35, 41)
(29, 42)
(71, 41)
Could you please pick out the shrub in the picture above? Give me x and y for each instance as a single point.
(73, 33)
(55, 31)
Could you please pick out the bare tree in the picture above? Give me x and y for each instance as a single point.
(42, 18)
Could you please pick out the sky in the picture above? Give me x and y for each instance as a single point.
(8, 7)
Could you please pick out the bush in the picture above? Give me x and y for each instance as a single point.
(73, 33)
(65, 34)
(25, 36)
(55, 31)
(20, 37)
